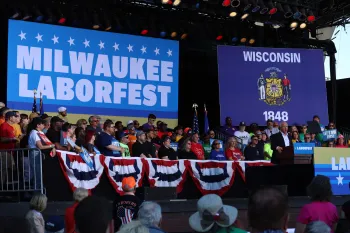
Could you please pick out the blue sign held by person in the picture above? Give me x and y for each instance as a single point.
(304, 148)
(174, 145)
(329, 135)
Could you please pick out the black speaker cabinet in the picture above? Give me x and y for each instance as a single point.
(156, 194)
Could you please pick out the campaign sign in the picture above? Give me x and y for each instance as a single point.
(330, 134)
(271, 83)
(174, 145)
(304, 148)
(91, 72)
(335, 164)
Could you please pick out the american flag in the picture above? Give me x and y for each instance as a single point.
(125, 215)
(41, 105)
(195, 128)
(206, 121)
(34, 103)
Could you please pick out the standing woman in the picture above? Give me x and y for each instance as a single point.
(34, 218)
(320, 209)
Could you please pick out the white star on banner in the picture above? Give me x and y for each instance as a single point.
(102, 45)
(116, 46)
(86, 43)
(39, 37)
(71, 41)
(55, 39)
(22, 35)
(130, 48)
(340, 179)
(170, 53)
(143, 49)
(156, 51)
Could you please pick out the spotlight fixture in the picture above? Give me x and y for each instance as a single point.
(235, 3)
(27, 14)
(276, 26)
(287, 12)
(311, 17)
(226, 3)
(234, 39)
(251, 41)
(263, 8)
(61, 19)
(293, 25)
(162, 33)
(144, 32)
(173, 34)
(247, 5)
(256, 9)
(297, 13)
(302, 25)
(303, 15)
(95, 22)
(273, 9)
(177, 2)
(244, 16)
(184, 36)
(219, 37)
(107, 23)
(165, 1)
(16, 14)
(243, 40)
(39, 15)
(51, 18)
(233, 12)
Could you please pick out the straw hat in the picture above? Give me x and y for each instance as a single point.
(211, 210)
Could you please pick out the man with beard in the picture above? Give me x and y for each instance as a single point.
(62, 113)
(54, 133)
(106, 142)
(141, 147)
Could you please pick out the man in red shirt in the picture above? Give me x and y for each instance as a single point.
(7, 142)
(286, 87)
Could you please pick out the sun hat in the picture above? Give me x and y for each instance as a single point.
(211, 210)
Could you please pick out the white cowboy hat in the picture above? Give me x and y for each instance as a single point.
(211, 210)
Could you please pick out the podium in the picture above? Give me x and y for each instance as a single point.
(303, 153)
(286, 156)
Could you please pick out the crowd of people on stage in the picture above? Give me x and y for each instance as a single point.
(268, 212)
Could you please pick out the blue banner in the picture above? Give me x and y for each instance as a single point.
(330, 134)
(91, 72)
(271, 83)
(304, 148)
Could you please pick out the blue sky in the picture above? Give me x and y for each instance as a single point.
(342, 43)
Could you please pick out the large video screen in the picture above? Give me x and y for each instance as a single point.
(92, 72)
(257, 84)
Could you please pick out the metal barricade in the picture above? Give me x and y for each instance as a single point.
(21, 170)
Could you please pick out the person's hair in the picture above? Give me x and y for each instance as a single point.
(38, 202)
(24, 117)
(183, 145)
(66, 126)
(80, 122)
(107, 124)
(320, 189)
(267, 209)
(93, 215)
(118, 122)
(213, 144)
(150, 213)
(79, 132)
(88, 135)
(79, 194)
(317, 227)
(133, 227)
(3, 111)
(152, 116)
(47, 121)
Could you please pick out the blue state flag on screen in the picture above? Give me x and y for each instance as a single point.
(92, 72)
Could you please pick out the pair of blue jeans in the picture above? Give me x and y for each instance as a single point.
(35, 169)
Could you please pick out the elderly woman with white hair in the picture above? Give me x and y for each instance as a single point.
(78, 195)
(317, 227)
(34, 218)
(150, 215)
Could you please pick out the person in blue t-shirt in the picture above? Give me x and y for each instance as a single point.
(106, 142)
(216, 152)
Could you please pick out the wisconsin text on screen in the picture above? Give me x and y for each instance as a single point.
(253, 56)
(137, 70)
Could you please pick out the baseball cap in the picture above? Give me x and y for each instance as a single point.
(242, 123)
(10, 114)
(128, 183)
(62, 109)
(54, 224)
(187, 130)
(140, 133)
(122, 135)
(130, 122)
(56, 119)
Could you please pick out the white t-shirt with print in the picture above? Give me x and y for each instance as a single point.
(244, 136)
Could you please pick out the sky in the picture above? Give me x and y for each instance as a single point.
(342, 43)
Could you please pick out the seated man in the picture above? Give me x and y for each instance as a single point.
(141, 148)
(106, 143)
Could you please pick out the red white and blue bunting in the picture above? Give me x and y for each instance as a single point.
(209, 176)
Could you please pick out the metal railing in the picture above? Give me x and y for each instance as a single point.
(21, 170)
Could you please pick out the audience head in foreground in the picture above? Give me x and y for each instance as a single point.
(213, 215)
(93, 215)
(268, 211)
(317, 227)
(320, 189)
(134, 227)
(150, 215)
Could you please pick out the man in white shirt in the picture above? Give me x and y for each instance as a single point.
(242, 134)
(279, 142)
(271, 130)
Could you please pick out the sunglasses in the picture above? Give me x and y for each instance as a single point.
(216, 144)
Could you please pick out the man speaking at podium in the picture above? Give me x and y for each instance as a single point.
(282, 146)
